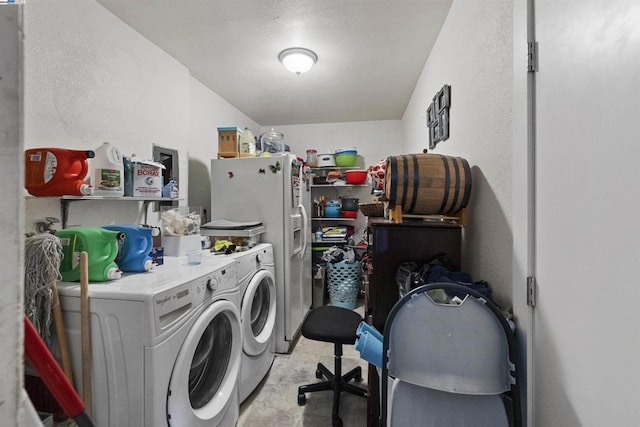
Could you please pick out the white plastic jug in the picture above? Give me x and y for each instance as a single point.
(106, 171)
(247, 143)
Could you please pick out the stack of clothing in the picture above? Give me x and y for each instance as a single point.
(439, 269)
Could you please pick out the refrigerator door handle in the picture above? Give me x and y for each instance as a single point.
(305, 228)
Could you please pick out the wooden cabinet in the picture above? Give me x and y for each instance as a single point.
(391, 244)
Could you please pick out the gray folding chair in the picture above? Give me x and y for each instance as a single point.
(448, 364)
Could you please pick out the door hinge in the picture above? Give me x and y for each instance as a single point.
(531, 291)
(532, 57)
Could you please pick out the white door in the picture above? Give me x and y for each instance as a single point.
(294, 283)
(255, 189)
(307, 281)
(295, 235)
(205, 375)
(586, 343)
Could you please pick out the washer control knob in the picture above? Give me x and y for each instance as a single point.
(212, 284)
(259, 257)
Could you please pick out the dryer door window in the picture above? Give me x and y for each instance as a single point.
(205, 374)
(260, 308)
(210, 361)
(258, 313)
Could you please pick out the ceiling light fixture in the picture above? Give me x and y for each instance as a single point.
(297, 59)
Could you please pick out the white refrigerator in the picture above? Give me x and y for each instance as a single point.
(272, 190)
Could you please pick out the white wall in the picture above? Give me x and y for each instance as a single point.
(473, 54)
(90, 78)
(11, 218)
(375, 140)
(208, 112)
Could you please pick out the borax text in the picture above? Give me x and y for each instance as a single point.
(153, 172)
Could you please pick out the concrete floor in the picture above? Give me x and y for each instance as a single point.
(275, 401)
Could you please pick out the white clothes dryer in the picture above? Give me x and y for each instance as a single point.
(165, 344)
(256, 275)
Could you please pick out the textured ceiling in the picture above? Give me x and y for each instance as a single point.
(370, 52)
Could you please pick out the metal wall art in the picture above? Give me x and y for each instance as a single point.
(438, 116)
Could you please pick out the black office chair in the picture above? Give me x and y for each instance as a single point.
(337, 325)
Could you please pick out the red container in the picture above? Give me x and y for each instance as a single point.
(57, 171)
(356, 177)
(349, 214)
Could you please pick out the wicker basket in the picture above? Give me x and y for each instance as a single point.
(372, 209)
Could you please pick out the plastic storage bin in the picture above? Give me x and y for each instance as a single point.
(181, 229)
(343, 283)
(245, 237)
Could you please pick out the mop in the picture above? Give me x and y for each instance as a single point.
(43, 253)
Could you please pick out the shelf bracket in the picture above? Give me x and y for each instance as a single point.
(64, 212)
(145, 206)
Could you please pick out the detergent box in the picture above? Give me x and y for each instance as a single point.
(147, 178)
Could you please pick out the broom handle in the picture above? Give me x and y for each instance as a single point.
(62, 338)
(85, 336)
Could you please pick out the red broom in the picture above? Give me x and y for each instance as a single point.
(39, 356)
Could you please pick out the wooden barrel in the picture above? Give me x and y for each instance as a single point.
(427, 184)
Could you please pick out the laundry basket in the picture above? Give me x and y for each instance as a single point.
(343, 283)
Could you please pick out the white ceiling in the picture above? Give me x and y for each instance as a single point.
(370, 52)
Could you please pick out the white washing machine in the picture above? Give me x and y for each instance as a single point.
(166, 345)
(256, 274)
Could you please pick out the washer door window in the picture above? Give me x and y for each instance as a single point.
(206, 370)
(258, 313)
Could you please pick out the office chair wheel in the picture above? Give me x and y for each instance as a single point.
(337, 422)
(318, 374)
(302, 399)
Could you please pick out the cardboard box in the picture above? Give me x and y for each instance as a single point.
(228, 139)
(157, 255)
(147, 179)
